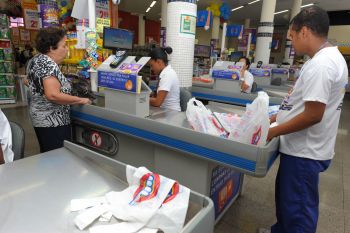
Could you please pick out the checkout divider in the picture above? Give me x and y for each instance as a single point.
(164, 142)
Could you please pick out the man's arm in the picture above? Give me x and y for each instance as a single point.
(2, 160)
(312, 114)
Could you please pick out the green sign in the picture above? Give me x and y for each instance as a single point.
(188, 24)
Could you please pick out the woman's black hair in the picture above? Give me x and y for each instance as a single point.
(247, 61)
(48, 38)
(161, 54)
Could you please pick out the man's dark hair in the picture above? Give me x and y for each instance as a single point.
(247, 61)
(48, 38)
(314, 18)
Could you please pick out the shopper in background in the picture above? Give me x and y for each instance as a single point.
(26, 55)
(168, 89)
(246, 77)
(6, 153)
(49, 107)
(307, 123)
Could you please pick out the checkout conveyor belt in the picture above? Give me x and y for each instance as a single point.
(36, 191)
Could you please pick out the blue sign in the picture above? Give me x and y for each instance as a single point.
(119, 81)
(226, 74)
(202, 17)
(260, 73)
(224, 187)
(234, 31)
(280, 71)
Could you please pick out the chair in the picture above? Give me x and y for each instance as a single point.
(18, 139)
(254, 87)
(185, 96)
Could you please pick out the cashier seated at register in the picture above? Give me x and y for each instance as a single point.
(246, 77)
(168, 88)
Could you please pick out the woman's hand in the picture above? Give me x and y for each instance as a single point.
(84, 101)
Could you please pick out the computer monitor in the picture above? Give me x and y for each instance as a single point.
(117, 39)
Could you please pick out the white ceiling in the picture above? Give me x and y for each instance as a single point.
(249, 11)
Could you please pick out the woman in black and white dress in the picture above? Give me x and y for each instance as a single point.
(50, 90)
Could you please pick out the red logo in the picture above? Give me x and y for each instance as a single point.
(148, 188)
(173, 192)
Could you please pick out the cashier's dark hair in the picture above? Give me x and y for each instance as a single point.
(314, 18)
(247, 61)
(48, 38)
(161, 54)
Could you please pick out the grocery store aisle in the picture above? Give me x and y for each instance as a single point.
(255, 208)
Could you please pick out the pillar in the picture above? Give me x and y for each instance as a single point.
(289, 54)
(265, 31)
(114, 16)
(215, 32)
(92, 13)
(246, 23)
(163, 23)
(141, 30)
(180, 35)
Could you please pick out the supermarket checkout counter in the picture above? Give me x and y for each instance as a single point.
(36, 191)
(127, 129)
(224, 84)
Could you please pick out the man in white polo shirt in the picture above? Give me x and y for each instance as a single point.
(307, 123)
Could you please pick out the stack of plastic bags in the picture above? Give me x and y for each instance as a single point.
(250, 128)
(151, 202)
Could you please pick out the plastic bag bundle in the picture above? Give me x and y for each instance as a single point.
(201, 119)
(254, 125)
(151, 202)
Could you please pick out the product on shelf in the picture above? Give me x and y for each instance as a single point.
(2, 54)
(7, 54)
(3, 20)
(7, 92)
(8, 67)
(2, 68)
(3, 80)
(4, 33)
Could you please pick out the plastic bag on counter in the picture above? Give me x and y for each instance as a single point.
(255, 122)
(201, 119)
(151, 202)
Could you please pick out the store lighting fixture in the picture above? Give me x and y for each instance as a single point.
(280, 12)
(237, 8)
(311, 4)
(148, 9)
(253, 2)
(153, 3)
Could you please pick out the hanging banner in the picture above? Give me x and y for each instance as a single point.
(101, 23)
(242, 43)
(49, 15)
(202, 19)
(234, 31)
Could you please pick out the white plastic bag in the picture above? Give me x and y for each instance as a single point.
(201, 119)
(255, 122)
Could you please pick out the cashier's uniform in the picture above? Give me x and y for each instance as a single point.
(248, 78)
(6, 138)
(168, 81)
(306, 153)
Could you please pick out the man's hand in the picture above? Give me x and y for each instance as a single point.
(273, 132)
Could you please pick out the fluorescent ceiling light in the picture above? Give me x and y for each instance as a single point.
(280, 12)
(148, 9)
(311, 4)
(153, 3)
(253, 2)
(237, 8)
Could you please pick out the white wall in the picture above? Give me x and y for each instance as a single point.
(339, 33)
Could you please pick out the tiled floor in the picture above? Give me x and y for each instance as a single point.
(255, 208)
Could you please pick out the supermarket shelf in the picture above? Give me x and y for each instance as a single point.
(6, 73)
(5, 61)
(7, 86)
(5, 40)
(7, 101)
